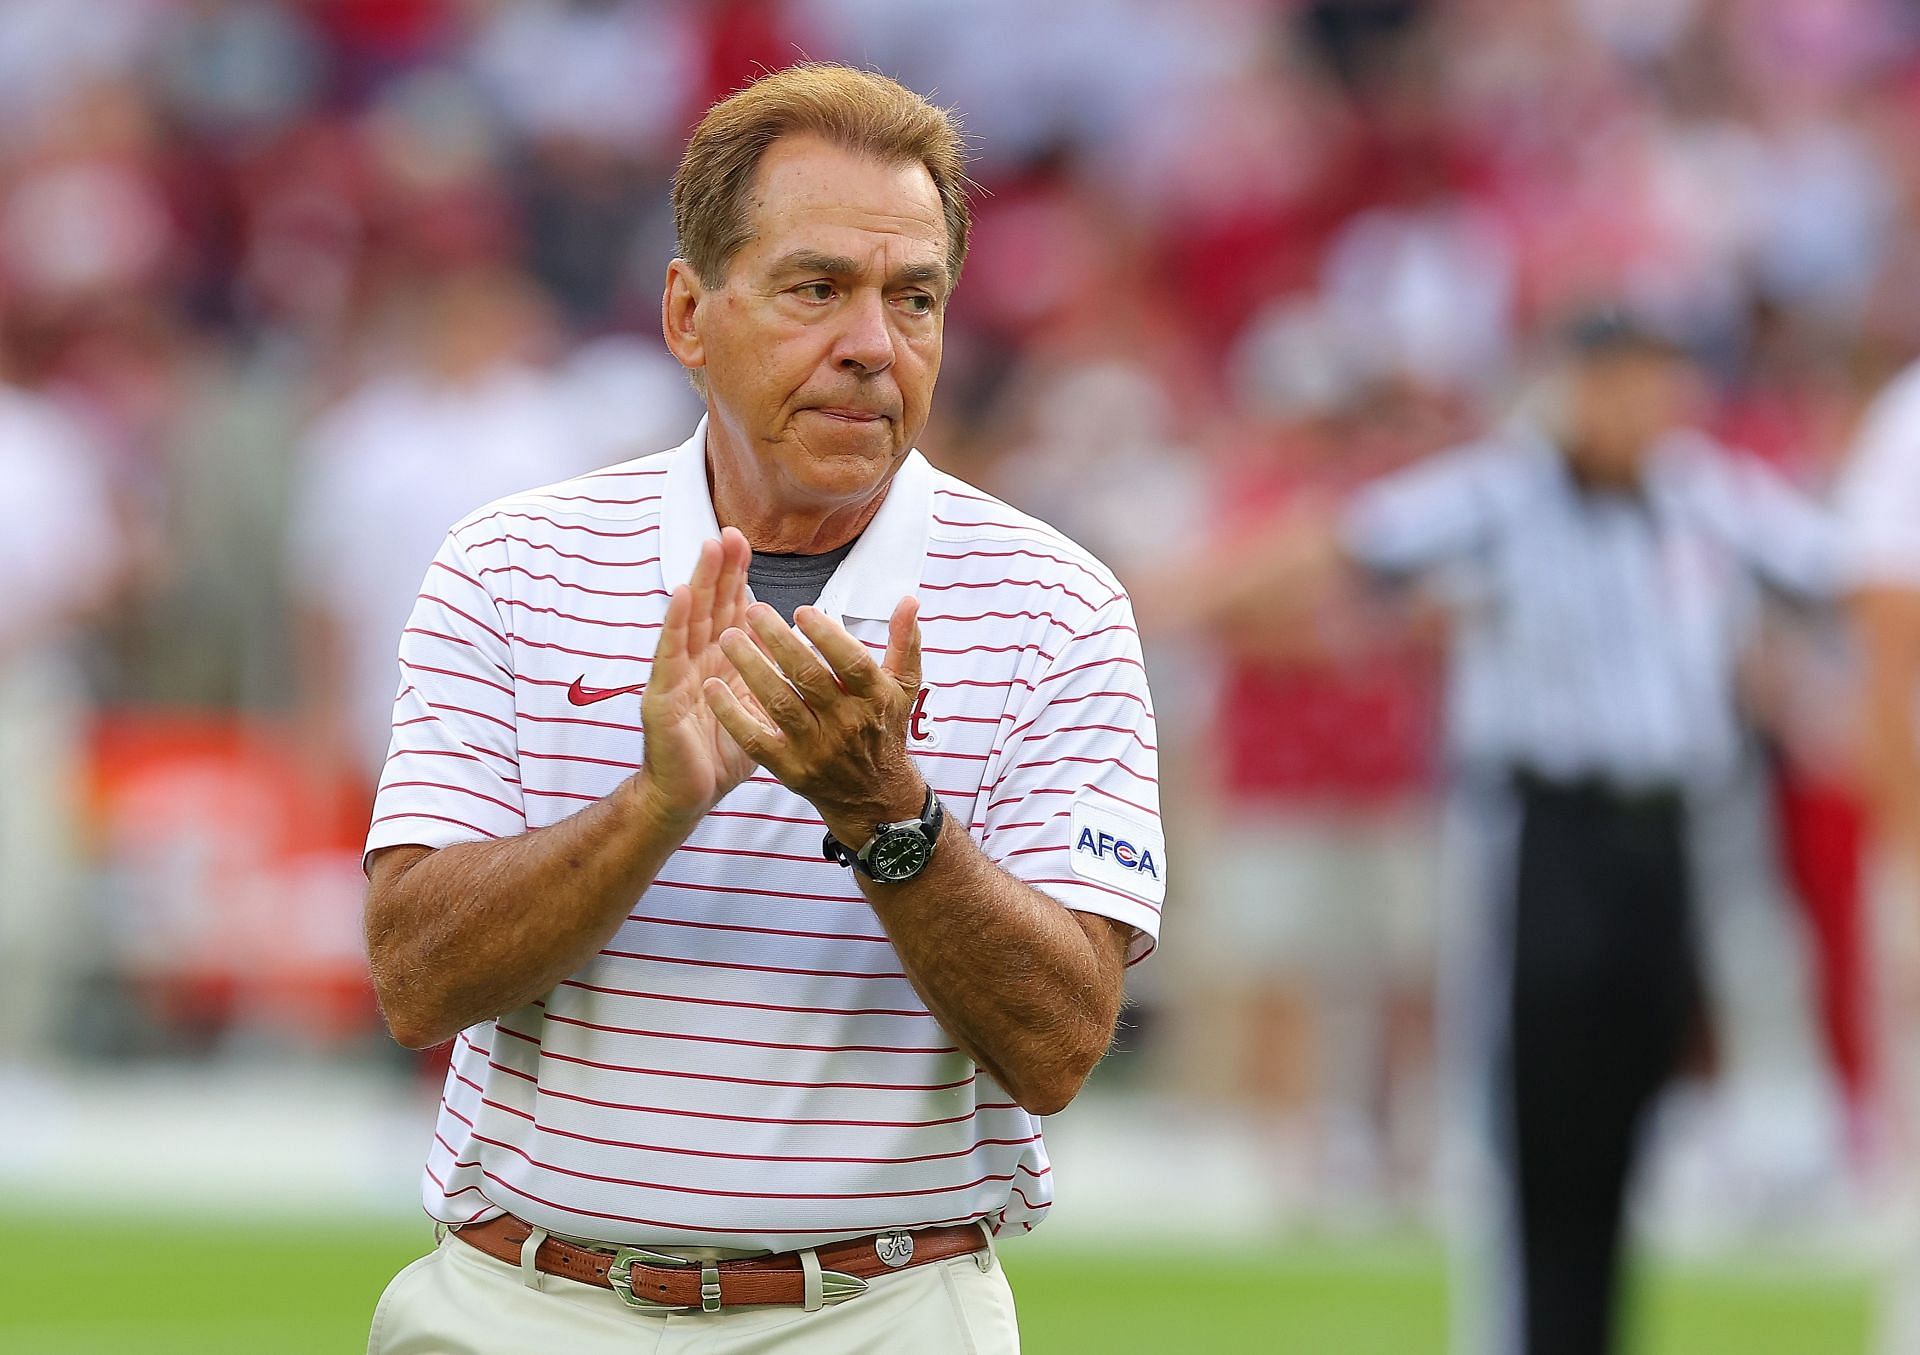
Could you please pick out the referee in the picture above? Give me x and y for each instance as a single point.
(1601, 568)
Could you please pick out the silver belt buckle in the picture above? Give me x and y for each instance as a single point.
(838, 1287)
(620, 1276)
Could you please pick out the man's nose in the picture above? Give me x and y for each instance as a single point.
(866, 339)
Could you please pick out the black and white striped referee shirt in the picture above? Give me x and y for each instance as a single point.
(1597, 633)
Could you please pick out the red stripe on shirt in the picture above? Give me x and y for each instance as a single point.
(1069, 790)
(743, 1006)
(1052, 585)
(705, 1229)
(448, 752)
(1050, 619)
(459, 640)
(808, 859)
(580, 620)
(685, 1114)
(588, 498)
(438, 818)
(436, 598)
(757, 931)
(563, 554)
(560, 526)
(1054, 702)
(477, 714)
(529, 716)
(1153, 908)
(792, 1159)
(851, 897)
(1113, 762)
(578, 795)
(1010, 554)
(407, 665)
(548, 1054)
(577, 757)
(747, 968)
(748, 1044)
(668, 1188)
(559, 582)
(1055, 675)
(593, 653)
(1018, 730)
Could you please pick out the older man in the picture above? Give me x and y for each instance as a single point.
(768, 928)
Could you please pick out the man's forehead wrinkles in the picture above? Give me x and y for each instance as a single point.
(888, 212)
(879, 259)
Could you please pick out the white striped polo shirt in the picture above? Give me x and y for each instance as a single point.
(745, 1064)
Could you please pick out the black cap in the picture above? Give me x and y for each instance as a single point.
(1606, 330)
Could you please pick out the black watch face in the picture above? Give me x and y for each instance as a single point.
(899, 855)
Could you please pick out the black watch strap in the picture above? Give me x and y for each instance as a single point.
(927, 827)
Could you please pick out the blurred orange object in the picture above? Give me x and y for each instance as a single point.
(232, 874)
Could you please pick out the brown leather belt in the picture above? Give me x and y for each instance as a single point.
(656, 1280)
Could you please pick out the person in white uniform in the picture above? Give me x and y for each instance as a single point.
(767, 929)
(59, 554)
(463, 417)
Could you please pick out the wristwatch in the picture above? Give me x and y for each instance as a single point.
(897, 851)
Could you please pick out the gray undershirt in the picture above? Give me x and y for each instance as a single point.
(787, 583)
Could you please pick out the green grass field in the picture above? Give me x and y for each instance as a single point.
(150, 1288)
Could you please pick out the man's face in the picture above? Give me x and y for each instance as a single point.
(1622, 402)
(821, 346)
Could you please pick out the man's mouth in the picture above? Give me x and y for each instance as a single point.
(849, 415)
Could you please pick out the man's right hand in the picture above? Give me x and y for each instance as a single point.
(691, 762)
(475, 929)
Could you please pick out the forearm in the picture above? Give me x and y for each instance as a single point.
(1008, 972)
(462, 934)
(1893, 771)
(1274, 584)
(1028, 992)
(1889, 626)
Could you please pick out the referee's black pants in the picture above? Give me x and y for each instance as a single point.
(1605, 993)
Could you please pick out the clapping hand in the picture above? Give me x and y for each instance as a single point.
(691, 760)
(831, 724)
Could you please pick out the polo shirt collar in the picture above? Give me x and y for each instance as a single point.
(883, 566)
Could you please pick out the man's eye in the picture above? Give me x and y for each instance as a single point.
(918, 303)
(816, 291)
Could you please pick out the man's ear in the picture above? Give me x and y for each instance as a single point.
(679, 315)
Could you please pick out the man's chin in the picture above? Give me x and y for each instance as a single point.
(831, 438)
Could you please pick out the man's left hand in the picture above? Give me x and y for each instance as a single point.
(839, 731)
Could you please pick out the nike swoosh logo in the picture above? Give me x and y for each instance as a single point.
(582, 695)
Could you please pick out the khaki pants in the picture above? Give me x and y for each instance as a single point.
(1895, 941)
(459, 1301)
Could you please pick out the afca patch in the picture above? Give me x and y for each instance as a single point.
(1118, 846)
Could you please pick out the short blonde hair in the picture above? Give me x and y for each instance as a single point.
(858, 110)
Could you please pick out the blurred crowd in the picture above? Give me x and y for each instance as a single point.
(287, 286)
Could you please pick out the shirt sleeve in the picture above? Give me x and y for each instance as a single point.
(1879, 501)
(1422, 517)
(1074, 807)
(62, 547)
(452, 770)
(1786, 539)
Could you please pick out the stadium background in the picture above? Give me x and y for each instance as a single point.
(1229, 252)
